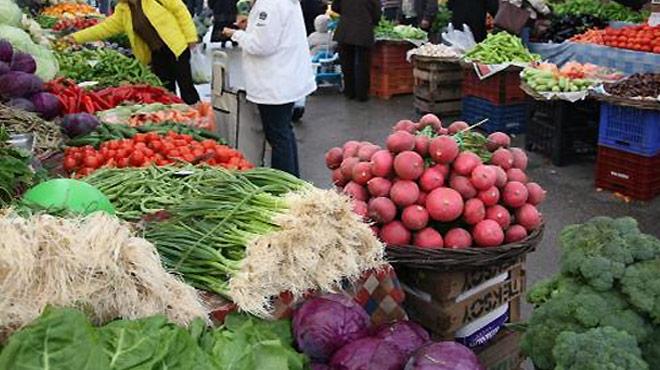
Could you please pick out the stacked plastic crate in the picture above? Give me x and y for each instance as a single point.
(498, 98)
(629, 151)
(391, 74)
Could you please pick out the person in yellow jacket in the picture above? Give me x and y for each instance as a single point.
(161, 34)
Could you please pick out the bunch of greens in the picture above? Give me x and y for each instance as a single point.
(15, 171)
(64, 339)
(389, 30)
(610, 279)
(442, 18)
(501, 47)
(105, 66)
(610, 10)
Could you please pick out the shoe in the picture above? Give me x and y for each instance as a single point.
(298, 114)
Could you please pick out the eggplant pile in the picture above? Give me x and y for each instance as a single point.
(566, 26)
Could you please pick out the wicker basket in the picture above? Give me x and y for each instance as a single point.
(461, 259)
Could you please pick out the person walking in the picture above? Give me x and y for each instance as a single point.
(355, 34)
(161, 34)
(278, 72)
(224, 15)
(419, 13)
(472, 13)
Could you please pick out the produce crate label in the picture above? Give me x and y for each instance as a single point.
(494, 298)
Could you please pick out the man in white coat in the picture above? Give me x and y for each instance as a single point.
(278, 71)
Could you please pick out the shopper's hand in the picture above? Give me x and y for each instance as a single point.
(241, 22)
(425, 24)
(228, 32)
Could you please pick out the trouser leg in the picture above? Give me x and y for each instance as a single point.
(276, 121)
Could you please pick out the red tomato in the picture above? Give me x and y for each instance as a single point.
(156, 145)
(148, 152)
(152, 136)
(188, 157)
(174, 153)
(137, 158)
(180, 142)
(122, 153)
(70, 164)
(167, 146)
(208, 144)
(140, 146)
(140, 138)
(198, 152)
(92, 161)
(123, 162)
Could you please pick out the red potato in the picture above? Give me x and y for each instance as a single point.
(536, 193)
(334, 157)
(422, 145)
(400, 141)
(457, 127)
(497, 140)
(463, 186)
(408, 165)
(350, 149)
(362, 173)
(474, 211)
(405, 125)
(528, 217)
(415, 217)
(381, 163)
(488, 233)
(500, 215)
(516, 174)
(360, 208)
(443, 169)
(502, 158)
(483, 177)
(444, 204)
(429, 120)
(428, 238)
(356, 191)
(394, 233)
(490, 197)
(501, 179)
(347, 165)
(337, 178)
(367, 151)
(519, 158)
(404, 193)
(379, 187)
(421, 200)
(381, 210)
(515, 194)
(465, 163)
(431, 179)
(458, 238)
(515, 233)
(443, 149)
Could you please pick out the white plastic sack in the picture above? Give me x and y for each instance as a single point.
(460, 40)
(200, 65)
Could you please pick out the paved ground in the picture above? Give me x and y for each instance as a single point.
(330, 120)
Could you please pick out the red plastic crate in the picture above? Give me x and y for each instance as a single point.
(388, 55)
(501, 88)
(387, 83)
(629, 174)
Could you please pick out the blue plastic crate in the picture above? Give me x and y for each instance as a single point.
(630, 129)
(509, 118)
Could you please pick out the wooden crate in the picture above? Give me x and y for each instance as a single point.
(388, 55)
(387, 83)
(433, 301)
(503, 353)
(438, 87)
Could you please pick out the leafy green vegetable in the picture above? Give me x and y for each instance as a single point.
(501, 47)
(610, 10)
(46, 64)
(442, 18)
(10, 13)
(388, 30)
(15, 171)
(600, 348)
(641, 283)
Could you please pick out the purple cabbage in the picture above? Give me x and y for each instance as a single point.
(4, 68)
(444, 356)
(6, 51)
(23, 62)
(368, 354)
(22, 103)
(319, 367)
(324, 324)
(16, 84)
(78, 124)
(46, 104)
(407, 336)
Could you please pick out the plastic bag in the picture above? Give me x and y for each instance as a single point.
(201, 66)
(459, 40)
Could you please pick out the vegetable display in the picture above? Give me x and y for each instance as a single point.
(639, 37)
(608, 281)
(95, 262)
(638, 85)
(48, 138)
(104, 66)
(571, 77)
(501, 47)
(200, 116)
(388, 30)
(46, 62)
(68, 25)
(62, 339)
(610, 10)
(566, 26)
(435, 51)
(152, 149)
(436, 187)
(15, 172)
(69, 10)
(442, 18)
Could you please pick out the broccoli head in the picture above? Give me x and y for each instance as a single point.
(603, 348)
(651, 350)
(641, 284)
(600, 250)
(577, 307)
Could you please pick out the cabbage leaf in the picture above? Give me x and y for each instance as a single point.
(47, 66)
(10, 13)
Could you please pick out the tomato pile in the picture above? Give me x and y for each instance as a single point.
(640, 37)
(152, 149)
(67, 24)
